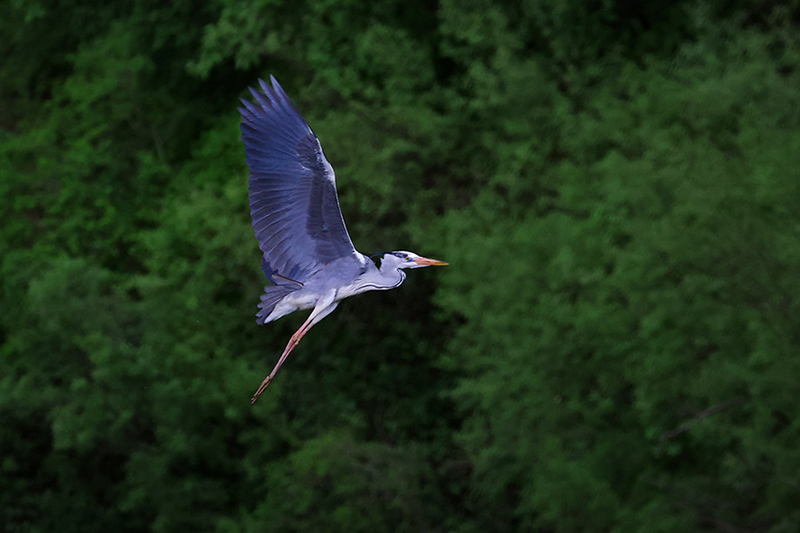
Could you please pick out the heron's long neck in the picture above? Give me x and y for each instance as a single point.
(375, 279)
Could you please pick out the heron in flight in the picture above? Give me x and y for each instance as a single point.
(308, 255)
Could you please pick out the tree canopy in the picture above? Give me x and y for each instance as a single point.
(614, 346)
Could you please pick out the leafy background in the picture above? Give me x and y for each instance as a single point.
(615, 346)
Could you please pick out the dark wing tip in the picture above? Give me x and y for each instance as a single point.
(273, 101)
(277, 88)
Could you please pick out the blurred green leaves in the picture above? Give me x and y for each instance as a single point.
(636, 292)
(612, 348)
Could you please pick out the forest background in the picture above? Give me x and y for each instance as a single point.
(615, 345)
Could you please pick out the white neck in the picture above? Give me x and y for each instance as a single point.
(385, 278)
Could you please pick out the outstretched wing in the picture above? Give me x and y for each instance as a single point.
(293, 201)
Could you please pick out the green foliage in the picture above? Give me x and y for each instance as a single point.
(649, 278)
(613, 347)
(336, 483)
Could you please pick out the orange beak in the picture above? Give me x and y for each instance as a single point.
(424, 261)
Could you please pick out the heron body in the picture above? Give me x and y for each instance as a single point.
(308, 255)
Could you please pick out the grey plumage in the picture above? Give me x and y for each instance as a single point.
(293, 201)
(308, 255)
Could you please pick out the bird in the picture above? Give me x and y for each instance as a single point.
(307, 253)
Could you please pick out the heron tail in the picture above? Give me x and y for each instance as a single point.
(272, 297)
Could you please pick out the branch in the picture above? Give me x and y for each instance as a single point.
(686, 426)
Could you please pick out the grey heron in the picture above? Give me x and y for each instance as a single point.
(308, 255)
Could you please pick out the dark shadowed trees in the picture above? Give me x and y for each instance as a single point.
(614, 346)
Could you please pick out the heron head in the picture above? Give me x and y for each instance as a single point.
(403, 259)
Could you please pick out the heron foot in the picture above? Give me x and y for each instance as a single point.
(262, 388)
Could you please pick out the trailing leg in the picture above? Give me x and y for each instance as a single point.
(319, 312)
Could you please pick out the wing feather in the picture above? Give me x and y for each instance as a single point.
(293, 201)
